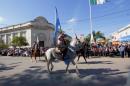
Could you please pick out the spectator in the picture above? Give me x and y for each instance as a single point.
(122, 50)
(128, 51)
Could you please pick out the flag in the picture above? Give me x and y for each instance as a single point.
(96, 2)
(57, 27)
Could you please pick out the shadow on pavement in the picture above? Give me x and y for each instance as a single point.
(39, 77)
(3, 67)
(15, 63)
(96, 62)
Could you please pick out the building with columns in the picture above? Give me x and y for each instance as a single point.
(38, 29)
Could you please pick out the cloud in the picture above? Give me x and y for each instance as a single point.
(1, 19)
(72, 20)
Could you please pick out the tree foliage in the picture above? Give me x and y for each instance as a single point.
(19, 41)
(96, 35)
(2, 44)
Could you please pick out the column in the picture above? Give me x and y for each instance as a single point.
(5, 39)
(11, 36)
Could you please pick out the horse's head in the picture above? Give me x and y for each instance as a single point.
(75, 43)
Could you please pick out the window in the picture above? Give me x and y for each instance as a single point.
(15, 34)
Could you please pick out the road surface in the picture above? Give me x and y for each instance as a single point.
(104, 71)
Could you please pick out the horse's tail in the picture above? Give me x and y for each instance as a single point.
(45, 57)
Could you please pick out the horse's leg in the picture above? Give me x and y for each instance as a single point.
(78, 58)
(76, 67)
(39, 55)
(48, 64)
(85, 59)
(67, 68)
(31, 58)
(35, 57)
(52, 66)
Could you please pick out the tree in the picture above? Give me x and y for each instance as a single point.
(87, 38)
(19, 41)
(99, 34)
(96, 35)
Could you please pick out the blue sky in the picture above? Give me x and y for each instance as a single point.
(73, 14)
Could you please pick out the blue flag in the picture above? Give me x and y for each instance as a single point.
(57, 27)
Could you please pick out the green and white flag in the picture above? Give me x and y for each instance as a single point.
(96, 2)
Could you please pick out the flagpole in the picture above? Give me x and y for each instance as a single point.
(91, 25)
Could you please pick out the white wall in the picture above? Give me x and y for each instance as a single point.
(28, 35)
(121, 33)
(43, 35)
(31, 35)
(125, 32)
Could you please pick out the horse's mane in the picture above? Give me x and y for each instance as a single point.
(73, 42)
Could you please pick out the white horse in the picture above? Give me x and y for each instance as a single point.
(52, 53)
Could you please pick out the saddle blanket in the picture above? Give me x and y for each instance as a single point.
(69, 56)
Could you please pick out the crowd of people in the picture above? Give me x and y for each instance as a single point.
(122, 50)
(97, 49)
(94, 49)
(19, 51)
(15, 52)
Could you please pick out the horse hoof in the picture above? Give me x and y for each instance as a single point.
(80, 75)
(49, 72)
(51, 69)
(67, 72)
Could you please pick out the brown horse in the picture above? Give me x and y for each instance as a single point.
(35, 53)
(82, 51)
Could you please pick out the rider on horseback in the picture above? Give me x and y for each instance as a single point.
(35, 46)
(61, 44)
(61, 39)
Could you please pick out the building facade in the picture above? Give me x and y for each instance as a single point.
(38, 29)
(123, 32)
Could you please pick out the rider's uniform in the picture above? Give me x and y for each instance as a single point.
(62, 44)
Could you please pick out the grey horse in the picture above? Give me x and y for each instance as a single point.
(53, 53)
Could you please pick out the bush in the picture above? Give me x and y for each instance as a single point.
(19, 41)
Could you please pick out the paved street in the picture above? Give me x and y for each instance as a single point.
(20, 71)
